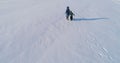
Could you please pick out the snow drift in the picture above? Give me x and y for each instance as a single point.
(36, 31)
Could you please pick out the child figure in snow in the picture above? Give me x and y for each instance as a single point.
(69, 14)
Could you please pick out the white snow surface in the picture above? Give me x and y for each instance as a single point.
(36, 31)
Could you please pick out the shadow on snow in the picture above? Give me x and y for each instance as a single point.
(88, 19)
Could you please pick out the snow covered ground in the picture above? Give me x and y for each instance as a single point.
(36, 31)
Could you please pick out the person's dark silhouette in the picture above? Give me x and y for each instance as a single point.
(69, 14)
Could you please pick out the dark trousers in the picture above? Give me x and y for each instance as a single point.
(67, 17)
(71, 17)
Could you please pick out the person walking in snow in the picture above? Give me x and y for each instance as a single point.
(69, 14)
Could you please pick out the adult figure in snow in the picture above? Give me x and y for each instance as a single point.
(69, 14)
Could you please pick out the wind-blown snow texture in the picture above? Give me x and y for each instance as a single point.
(36, 31)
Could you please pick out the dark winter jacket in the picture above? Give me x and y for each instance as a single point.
(71, 13)
(67, 11)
